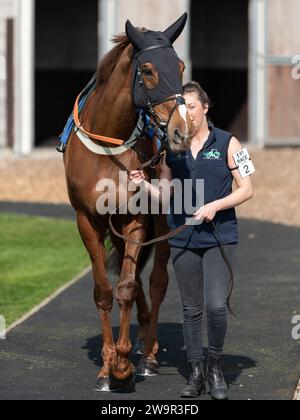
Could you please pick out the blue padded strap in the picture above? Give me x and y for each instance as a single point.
(70, 123)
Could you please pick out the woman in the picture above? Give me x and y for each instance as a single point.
(202, 274)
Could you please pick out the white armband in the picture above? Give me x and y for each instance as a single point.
(244, 163)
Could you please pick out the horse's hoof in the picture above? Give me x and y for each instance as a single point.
(147, 368)
(103, 385)
(138, 347)
(125, 387)
(122, 371)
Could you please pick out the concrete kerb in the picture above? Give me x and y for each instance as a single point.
(297, 393)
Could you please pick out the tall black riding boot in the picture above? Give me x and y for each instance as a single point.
(215, 378)
(196, 383)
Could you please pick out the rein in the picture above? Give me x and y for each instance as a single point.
(179, 99)
(170, 235)
(153, 163)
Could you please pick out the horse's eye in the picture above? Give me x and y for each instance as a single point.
(147, 72)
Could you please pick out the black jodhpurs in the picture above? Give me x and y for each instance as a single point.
(204, 280)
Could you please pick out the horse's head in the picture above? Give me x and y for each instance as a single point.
(157, 81)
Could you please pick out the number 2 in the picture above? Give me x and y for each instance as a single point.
(247, 170)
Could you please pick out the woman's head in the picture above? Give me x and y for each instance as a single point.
(197, 102)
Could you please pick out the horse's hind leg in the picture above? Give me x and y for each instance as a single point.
(103, 294)
(143, 317)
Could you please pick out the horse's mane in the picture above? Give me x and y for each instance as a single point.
(110, 60)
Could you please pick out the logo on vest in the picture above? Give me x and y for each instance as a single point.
(213, 154)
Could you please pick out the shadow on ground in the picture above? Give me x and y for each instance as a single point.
(172, 353)
(55, 353)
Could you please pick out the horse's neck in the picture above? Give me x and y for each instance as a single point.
(112, 112)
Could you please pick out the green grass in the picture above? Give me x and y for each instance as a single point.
(37, 256)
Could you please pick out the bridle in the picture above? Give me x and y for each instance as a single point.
(150, 105)
(163, 126)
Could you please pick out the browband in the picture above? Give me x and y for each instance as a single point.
(154, 47)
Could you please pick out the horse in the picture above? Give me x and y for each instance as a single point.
(142, 71)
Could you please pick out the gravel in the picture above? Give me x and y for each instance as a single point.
(40, 178)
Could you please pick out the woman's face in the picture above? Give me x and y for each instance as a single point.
(196, 110)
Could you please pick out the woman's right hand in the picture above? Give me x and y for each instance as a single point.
(137, 176)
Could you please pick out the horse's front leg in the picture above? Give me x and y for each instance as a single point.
(159, 280)
(126, 293)
(94, 241)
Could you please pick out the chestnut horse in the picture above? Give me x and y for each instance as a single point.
(143, 71)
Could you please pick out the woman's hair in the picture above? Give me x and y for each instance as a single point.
(194, 87)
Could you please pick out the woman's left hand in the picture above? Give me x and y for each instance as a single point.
(207, 212)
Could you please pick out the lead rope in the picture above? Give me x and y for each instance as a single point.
(171, 235)
(226, 259)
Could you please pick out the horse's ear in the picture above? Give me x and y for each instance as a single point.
(175, 30)
(134, 35)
